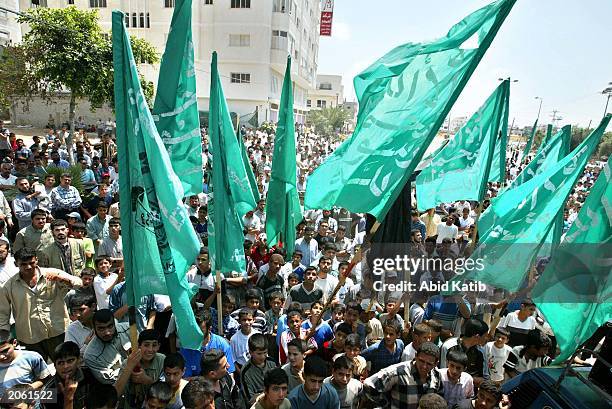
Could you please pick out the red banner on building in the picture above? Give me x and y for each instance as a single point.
(327, 13)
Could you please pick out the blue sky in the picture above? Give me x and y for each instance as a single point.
(560, 50)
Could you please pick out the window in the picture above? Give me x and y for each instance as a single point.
(209, 2)
(93, 3)
(240, 78)
(127, 20)
(41, 3)
(148, 21)
(142, 20)
(279, 6)
(241, 4)
(274, 84)
(71, 2)
(325, 85)
(308, 103)
(134, 20)
(321, 103)
(240, 40)
(168, 3)
(279, 40)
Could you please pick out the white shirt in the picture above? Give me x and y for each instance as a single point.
(77, 333)
(445, 231)
(409, 353)
(240, 346)
(100, 285)
(495, 358)
(327, 285)
(251, 223)
(8, 269)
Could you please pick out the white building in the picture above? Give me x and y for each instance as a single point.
(328, 93)
(10, 31)
(252, 39)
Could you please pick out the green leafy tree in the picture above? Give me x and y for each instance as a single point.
(65, 49)
(327, 121)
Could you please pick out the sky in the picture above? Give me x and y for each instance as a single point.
(559, 50)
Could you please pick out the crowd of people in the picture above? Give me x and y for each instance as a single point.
(301, 330)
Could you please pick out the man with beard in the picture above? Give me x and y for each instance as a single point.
(35, 297)
(35, 236)
(25, 202)
(108, 350)
(66, 254)
(72, 381)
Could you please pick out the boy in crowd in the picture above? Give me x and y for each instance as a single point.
(294, 330)
(143, 367)
(174, 370)
(272, 317)
(226, 393)
(275, 390)
(317, 328)
(496, 354)
(239, 342)
(253, 373)
(80, 331)
(295, 367)
(351, 317)
(292, 280)
(489, 396)
(335, 346)
(470, 341)
(305, 293)
(314, 393)
(198, 394)
(531, 355)
(420, 333)
(70, 376)
(352, 349)
(157, 396)
(20, 367)
(253, 301)
(519, 323)
(348, 389)
(386, 352)
(337, 316)
(458, 385)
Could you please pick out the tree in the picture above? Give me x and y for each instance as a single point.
(12, 79)
(67, 50)
(326, 121)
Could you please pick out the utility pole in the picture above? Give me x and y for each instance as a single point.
(608, 92)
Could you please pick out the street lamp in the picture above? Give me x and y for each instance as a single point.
(608, 92)
(540, 108)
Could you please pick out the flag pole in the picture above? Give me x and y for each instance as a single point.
(219, 304)
(475, 231)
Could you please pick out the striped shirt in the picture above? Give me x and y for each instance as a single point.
(397, 386)
(65, 198)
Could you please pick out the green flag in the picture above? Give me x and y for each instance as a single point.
(159, 243)
(403, 100)
(547, 138)
(530, 141)
(175, 111)
(232, 195)
(461, 170)
(498, 167)
(523, 216)
(573, 293)
(283, 203)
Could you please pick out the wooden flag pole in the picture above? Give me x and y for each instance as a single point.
(475, 231)
(219, 305)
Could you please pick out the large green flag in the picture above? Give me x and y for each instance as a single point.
(403, 100)
(461, 170)
(498, 167)
(176, 110)
(573, 293)
(530, 141)
(159, 243)
(283, 203)
(232, 195)
(523, 216)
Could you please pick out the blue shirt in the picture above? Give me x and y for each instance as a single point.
(193, 357)
(380, 357)
(322, 334)
(230, 325)
(327, 399)
(27, 367)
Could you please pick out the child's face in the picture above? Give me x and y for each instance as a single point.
(246, 322)
(275, 304)
(338, 316)
(155, 403)
(295, 322)
(295, 357)
(228, 308)
(173, 376)
(417, 340)
(340, 338)
(313, 384)
(351, 316)
(316, 310)
(293, 282)
(276, 394)
(342, 376)
(500, 340)
(259, 356)
(454, 371)
(390, 306)
(342, 270)
(149, 349)
(352, 352)
(253, 303)
(390, 336)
